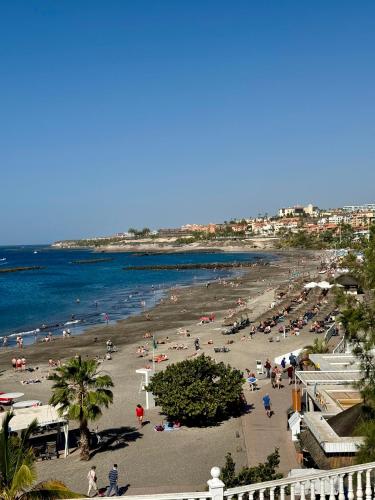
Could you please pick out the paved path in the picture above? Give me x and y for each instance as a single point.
(263, 434)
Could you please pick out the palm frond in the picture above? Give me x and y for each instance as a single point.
(23, 478)
(49, 490)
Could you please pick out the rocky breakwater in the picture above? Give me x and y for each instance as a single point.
(208, 265)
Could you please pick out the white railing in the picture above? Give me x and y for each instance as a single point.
(347, 483)
(335, 483)
(330, 332)
(341, 347)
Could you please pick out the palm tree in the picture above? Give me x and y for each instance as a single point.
(17, 468)
(80, 392)
(319, 346)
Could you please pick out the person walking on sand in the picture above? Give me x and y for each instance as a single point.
(278, 378)
(273, 377)
(92, 478)
(290, 372)
(140, 413)
(113, 481)
(267, 366)
(267, 405)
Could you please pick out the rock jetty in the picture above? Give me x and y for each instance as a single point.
(208, 265)
(18, 269)
(92, 261)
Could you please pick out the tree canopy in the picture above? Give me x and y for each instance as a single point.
(198, 391)
(266, 471)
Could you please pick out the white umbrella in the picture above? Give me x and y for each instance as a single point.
(11, 395)
(312, 284)
(324, 285)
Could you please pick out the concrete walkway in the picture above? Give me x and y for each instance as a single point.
(262, 434)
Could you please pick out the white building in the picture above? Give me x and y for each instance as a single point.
(359, 208)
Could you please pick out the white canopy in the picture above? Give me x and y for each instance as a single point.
(324, 285)
(312, 284)
(45, 415)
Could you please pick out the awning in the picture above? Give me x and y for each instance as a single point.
(45, 415)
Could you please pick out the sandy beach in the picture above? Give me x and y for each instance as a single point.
(188, 454)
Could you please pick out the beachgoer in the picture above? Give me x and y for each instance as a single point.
(92, 478)
(273, 378)
(293, 360)
(19, 364)
(113, 480)
(140, 412)
(267, 366)
(14, 363)
(267, 405)
(197, 344)
(5, 341)
(278, 379)
(283, 363)
(290, 371)
(23, 366)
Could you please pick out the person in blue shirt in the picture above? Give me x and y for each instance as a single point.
(113, 480)
(267, 405)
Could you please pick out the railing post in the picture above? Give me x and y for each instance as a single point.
(331, 488)
(322, 488)
(292, 489)
(282, 493)
(312, 490)
(350, 487)
(368, 485)
(359, 485)
(216, 485)
(341, 487)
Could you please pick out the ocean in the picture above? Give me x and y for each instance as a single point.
(67, 295)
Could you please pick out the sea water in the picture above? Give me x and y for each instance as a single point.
(68, 295)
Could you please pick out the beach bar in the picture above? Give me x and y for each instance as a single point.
(45, 415)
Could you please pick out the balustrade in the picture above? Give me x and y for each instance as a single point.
(347, 483)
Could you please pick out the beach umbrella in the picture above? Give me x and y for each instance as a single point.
(312, 284)
(324, 285)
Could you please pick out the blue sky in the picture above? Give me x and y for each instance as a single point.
(158, 113)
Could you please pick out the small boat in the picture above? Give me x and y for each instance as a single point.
(323, 271)
(35, 251)
(2, 260)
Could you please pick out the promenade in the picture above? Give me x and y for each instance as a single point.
(263, 434)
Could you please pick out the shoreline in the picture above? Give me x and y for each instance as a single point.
(126, 331)
(170, 321)
(82, 324)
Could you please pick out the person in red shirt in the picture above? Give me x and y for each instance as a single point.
(140, 412)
